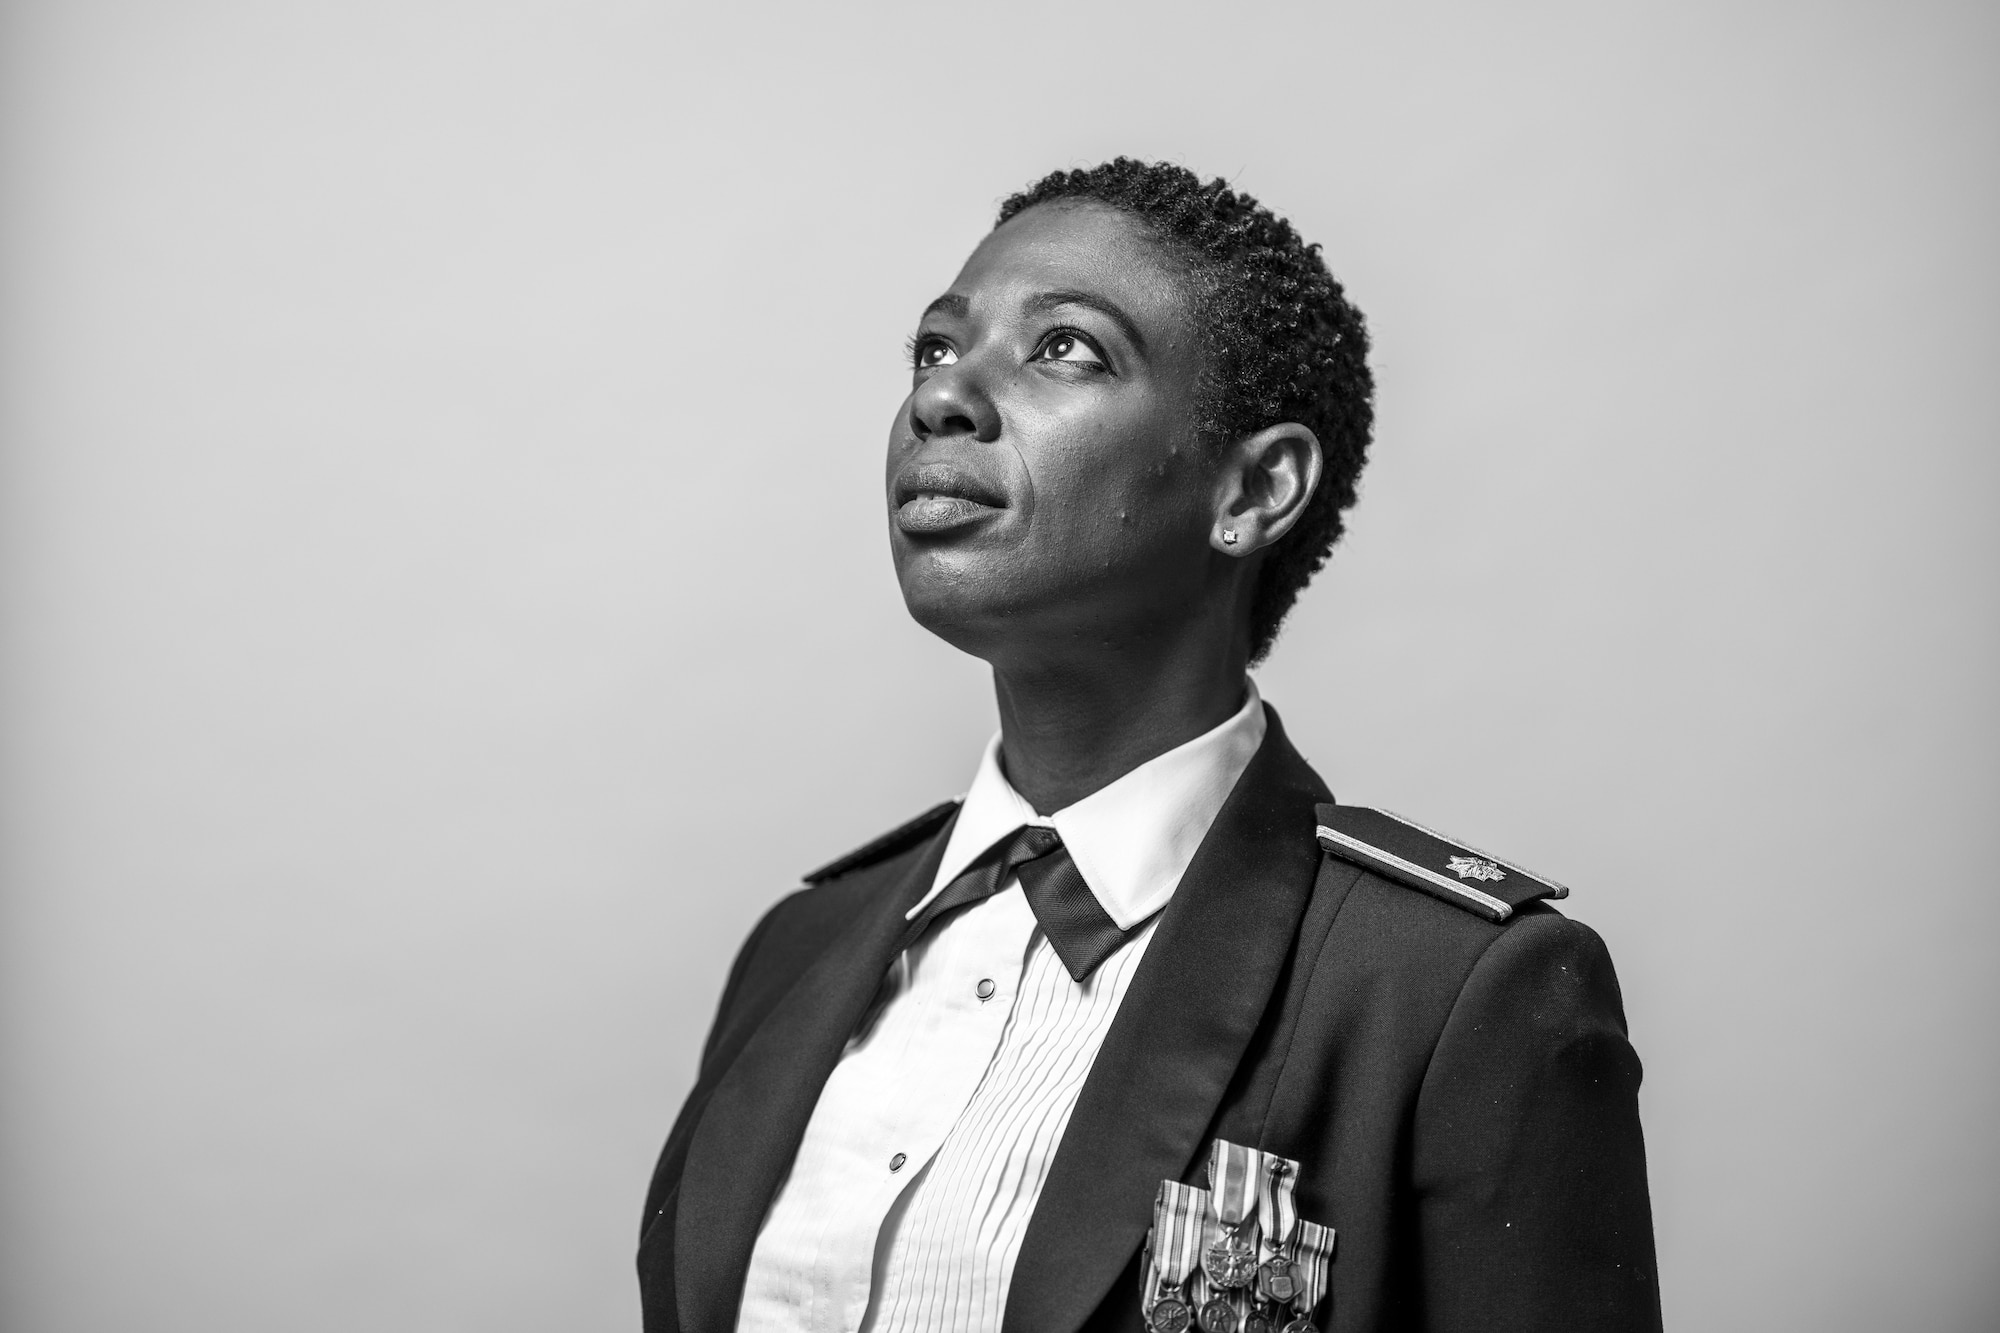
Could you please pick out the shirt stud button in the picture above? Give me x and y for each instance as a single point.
(896, 1162)
(984, 990)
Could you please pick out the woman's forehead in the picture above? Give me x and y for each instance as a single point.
(1074, 245)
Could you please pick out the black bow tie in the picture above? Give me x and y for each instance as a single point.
(1079, 929)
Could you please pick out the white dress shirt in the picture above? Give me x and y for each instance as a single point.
(920, 1167)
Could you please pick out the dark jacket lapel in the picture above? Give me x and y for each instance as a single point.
(751, 1128)
(1192, 1008)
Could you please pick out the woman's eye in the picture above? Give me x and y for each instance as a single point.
(932, 353)
(1072, 348)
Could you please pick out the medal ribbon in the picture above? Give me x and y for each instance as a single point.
(1315, 1259)
(1277, 1210)
(1234, 1175)
(1177, 1219)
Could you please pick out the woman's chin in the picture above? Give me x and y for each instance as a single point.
(959, 600)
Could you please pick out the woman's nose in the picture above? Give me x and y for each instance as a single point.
(950, 403)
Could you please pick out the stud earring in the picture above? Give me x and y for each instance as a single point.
(1229, 536)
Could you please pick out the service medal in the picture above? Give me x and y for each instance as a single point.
(1279, 1281)
(1218, 1316)
(1258, 1322)
(1169, 1314)
(1230, 1262)
(1231, 1259)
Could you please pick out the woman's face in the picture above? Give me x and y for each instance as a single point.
(1044, 476)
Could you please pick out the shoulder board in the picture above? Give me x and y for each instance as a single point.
(1443, 867)
(898, 839)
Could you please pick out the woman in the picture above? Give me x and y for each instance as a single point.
(1149, 1031)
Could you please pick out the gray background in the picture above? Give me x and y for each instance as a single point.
(446, 595)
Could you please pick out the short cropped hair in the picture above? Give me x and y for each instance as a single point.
(1283, 342)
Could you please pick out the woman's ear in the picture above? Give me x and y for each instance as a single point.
(1262, 487)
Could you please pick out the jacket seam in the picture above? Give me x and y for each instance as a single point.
(1292, 1037)
(1457, 999)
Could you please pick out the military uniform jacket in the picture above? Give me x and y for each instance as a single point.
(1459, 1091)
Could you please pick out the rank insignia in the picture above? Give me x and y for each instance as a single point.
(1419, 858)
(1235, 1257)
(1473, 867)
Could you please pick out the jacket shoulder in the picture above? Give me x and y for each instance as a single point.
(899, 839)
(1407, 853)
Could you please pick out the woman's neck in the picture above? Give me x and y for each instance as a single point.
(1068, 729)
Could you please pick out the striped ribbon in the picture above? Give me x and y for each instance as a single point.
(1234, 1175)
(1277, 1210)
(1177, 1219)
(1315, 1261)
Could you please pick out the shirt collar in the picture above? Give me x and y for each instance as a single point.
(1132, 839)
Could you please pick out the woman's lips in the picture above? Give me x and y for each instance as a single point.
(941, 496)
(926, 512)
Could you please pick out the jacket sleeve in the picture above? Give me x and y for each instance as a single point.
(1528, 1163)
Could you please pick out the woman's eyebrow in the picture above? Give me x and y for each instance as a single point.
(1043, 302)
(951, 303)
